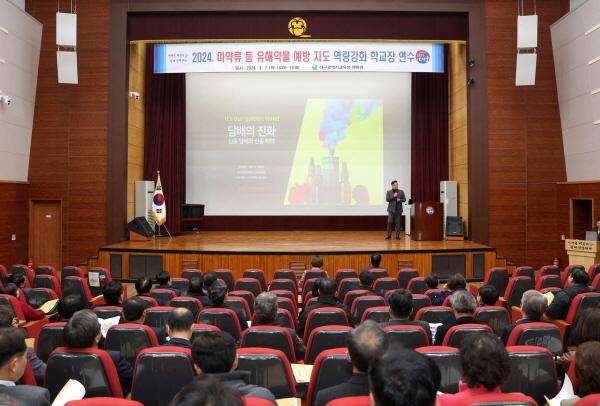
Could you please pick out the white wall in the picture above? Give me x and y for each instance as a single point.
(576, 48)
(19, 59)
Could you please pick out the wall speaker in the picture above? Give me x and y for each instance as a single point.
(140, 225)
(527, 28)
(454, 226)
(526, 65)
(66, 29)
(66, 63)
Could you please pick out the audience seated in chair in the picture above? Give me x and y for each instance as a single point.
(485, 367)
(13, 360)
(30, 313)
(317, 265)
(112, 293)
(365, 343)
(214, 353)
(375, 262)
(455, 283)
(487, 295)
(587, 328)
(533, 307)
(133, 312)
(402, 377)
(401, 307)
(463, 305)
(209, 278)
(265, 314)
(326, 289)
(8, 319)
(366, 281)
(586, 371)
(195, 290)
(163, 280)
(206, 390)
(179, 328)
(143, 286)
(217, 293)
(431, 281)
(69, 305)
(576, 283)
(83, 331)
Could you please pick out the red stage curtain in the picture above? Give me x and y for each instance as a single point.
(429, 138)
(164, 138)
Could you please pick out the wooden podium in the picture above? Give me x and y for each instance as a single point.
(426, 219)
(583, 252)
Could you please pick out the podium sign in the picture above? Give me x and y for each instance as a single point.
(582, 252)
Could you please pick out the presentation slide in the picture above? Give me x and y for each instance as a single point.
(297, 143)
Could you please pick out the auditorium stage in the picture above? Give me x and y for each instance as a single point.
(271, 250)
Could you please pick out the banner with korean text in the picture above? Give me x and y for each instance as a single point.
(299, 57)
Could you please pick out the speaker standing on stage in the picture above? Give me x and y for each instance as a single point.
(395, 198)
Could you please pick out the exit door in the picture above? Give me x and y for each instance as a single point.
(45, 232)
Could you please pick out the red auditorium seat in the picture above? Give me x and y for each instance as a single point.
(226, 275)
(448, 361)
(532, 372)
(596, 283)
(93, 368)
(417, 285)
(548, 281)
(225, 319)
(240, 304)
(549, 270)
(70, 271)
(104, 276)
(76, 285)
(103, 402)
(13, 302)
(107, 312)
(24, 270)
(129, 339)
(525, 271)
(287, 304)
(257, 274)
(160, 373)
(149, 299)
(325, 316)
(433, 293)
(377, 273)
(456, 334)
(28, 377)
(284, 284)
(38, 296)
(409, 336)
(419, 301)
(46, 270)
(515, 289)
(345, 286)
(435, 314)
(593, 270)
(246, 295)
(50, 338)
(351, 400)
(498, 399)
(157, 316)
(344, 273)
(352, 295)
(287, 319)
(249, 401)
(162, 296)
(198, 329)
(313, 274)
(379, 314)
(546, 335)
(249, 284)
(307, 288)
(363, 303)
(48, 282)
(580, 302)
(190, 273)
(277, 338)
(498, 278)
(286, 294)
(325, 338)
(3, 273)
(286, 274)
(405, 275)
(181, 284)
(383, 285)
(567, 271)
(589, 400)
(270, 369)
(191, 303)
(494, 316)
(331, 368)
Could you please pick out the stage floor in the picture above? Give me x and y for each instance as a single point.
(291, 242)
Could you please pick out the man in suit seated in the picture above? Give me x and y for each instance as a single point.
(533, 307)
(133, 312)
(366, 281)
(143, 286)
(365, 343)
(83, 331)
(179, 328)
(375, 261)
(463, 304)
(401, 307)
(13, 360)
(206, 390)
(576, 283)
(214, 353)
(113, 294)
(327, 288)
(195, 290)
(163, 279)
(316, 263)
(265, 314)
(69, 305)
(487, 296)
(217, 293)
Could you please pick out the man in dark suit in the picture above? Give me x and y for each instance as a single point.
(163, 279)
(83, 331)
(113, 294)
(395, 197)
(13, 358)
(533, 307)
(217, 293)
(463, 304)
(195, 290)
(327, 288)
(133, 312)
(576, 283)
(366, 281)
(179, 328)
(597, 229)
(365, 343)
(401, 307)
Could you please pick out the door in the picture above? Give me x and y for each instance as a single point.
(45, 232)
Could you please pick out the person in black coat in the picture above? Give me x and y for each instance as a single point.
(163, 279)
(195, 290)
(463, 304)
(401, 307)
(179, 328)
(533, 306)
(217, 293)
(133, 312)
(327, 288)
(576, 283)
(265, 314)
(365, 343)
(366, 281)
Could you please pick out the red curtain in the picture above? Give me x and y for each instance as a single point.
(429, 139)
(164, 137)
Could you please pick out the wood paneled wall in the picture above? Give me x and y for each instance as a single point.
(15, 215)
(459, 133)
(135, 123)
(68, 149)
(525, 148)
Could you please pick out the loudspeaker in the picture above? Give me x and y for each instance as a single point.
(140, 225)
(526, 65)
(454, 226)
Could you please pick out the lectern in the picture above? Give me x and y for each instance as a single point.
(582, 252)
(426, 219)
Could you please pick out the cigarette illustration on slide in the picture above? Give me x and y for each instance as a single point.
(339, 154)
